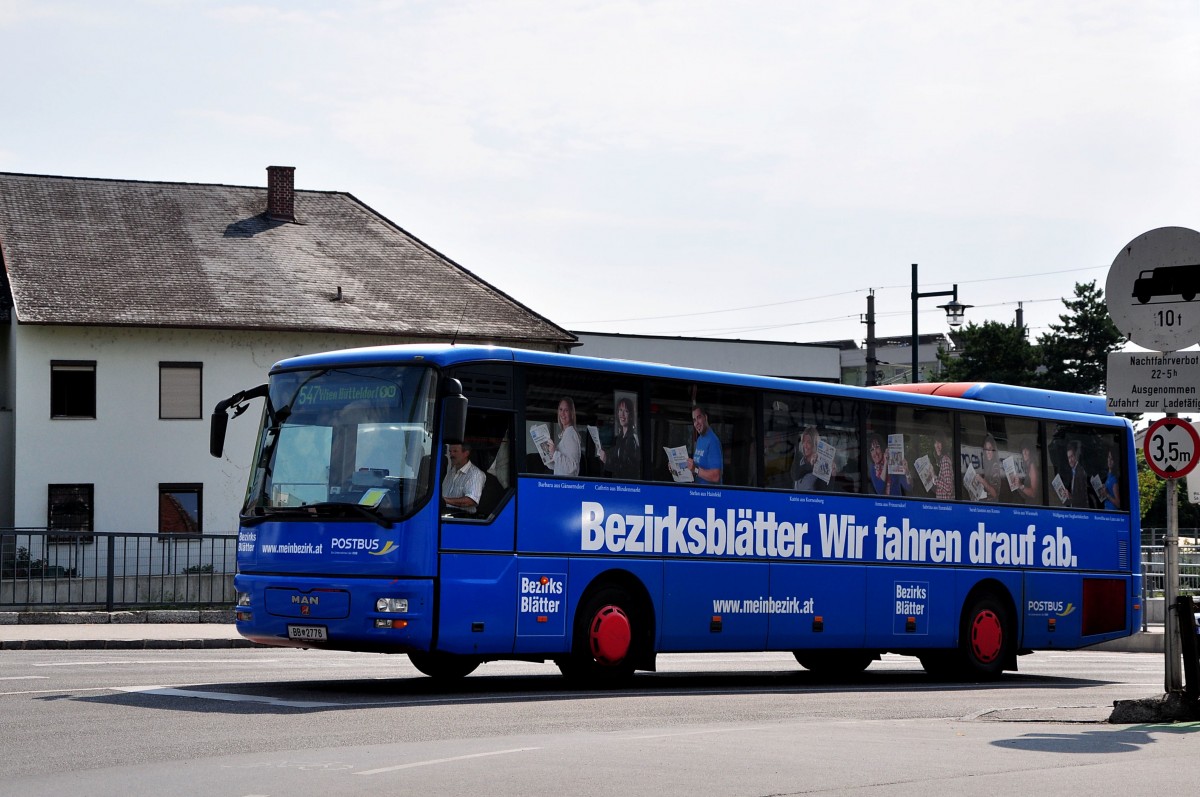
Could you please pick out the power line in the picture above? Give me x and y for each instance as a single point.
(820, 298)
(715, 312)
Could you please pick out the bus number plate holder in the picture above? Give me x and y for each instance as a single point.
(310, 632)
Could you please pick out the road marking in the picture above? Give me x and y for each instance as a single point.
(229, 697)
(153, 661)
(433, 761)
(59, 691)
(24, 677)
(672, 735)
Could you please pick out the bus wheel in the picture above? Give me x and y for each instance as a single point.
(985, 641)
(834, 662)
(984, 644)
(603, 640)
(443, 666)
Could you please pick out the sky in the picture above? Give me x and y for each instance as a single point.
(740, 170)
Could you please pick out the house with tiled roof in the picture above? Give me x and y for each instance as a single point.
(128, 309)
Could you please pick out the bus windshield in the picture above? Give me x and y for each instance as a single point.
(345, 442)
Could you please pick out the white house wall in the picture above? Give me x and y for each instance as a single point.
(126, 451)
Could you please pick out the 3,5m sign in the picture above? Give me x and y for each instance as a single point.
(1171, 446)
(1153, 382)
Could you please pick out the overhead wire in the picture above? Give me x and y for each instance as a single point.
(822, 298)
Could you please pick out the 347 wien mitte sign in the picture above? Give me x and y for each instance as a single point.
(1153, 382)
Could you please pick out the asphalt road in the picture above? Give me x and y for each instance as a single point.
(287, 722)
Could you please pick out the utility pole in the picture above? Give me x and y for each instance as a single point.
(872, 361)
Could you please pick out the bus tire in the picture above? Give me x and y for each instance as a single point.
(443, 666)
(605, 628)
(829, 663)
(985, 644)
(986, 638)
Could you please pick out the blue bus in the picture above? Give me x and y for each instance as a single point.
(462, 504)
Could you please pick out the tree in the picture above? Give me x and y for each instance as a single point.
(990, 352)
(1075, 352)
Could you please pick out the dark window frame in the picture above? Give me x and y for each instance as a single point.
(78, 534)
(196, 488)
(67, 407)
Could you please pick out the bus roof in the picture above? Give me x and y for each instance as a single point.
(1008, 394)
(445, 355)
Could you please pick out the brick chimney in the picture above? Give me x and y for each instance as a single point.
(281, 193)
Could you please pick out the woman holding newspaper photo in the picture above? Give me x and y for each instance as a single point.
(991, 472)
(882, 480)
(567, 450)
(623, 459)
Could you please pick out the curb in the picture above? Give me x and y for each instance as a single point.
(155, 616)
(127, 644)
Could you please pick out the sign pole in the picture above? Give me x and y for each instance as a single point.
(1172, 449)
(1173, 671)
(1149, 291)
(1165, 445)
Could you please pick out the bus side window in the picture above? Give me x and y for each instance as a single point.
(573, 425)
(810, 443)
(998, 459)
(488, 434)
(707, 427)
(1086, 462)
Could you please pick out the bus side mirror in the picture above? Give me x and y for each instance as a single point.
(216, 430)
(454, 412)
(220, 416)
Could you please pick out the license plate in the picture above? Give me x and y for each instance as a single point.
(315, 632)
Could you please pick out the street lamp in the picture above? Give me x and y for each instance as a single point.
(954, 315)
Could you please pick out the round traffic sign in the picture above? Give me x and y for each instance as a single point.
(1150, 288)
(1171, 446)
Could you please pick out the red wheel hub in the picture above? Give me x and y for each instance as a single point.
(610, 635)
(987, 636)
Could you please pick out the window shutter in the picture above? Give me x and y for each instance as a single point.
(179, 391)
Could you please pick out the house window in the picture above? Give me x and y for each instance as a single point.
(180, 508)
(72, 389)
(179, 391)
(69, 509)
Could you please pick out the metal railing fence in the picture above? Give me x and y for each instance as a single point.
(1154, 566)
(40, 569)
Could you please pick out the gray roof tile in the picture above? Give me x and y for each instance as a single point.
(126, 253)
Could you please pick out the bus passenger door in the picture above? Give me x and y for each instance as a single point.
(477, 578)
(492, 526)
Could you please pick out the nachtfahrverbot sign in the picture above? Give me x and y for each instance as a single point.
(1149, 381)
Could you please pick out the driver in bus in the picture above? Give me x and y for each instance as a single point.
(463, 484)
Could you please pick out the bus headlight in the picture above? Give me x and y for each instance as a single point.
(392, 605)
(243, 599)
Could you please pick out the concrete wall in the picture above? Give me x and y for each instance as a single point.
(192, 589)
